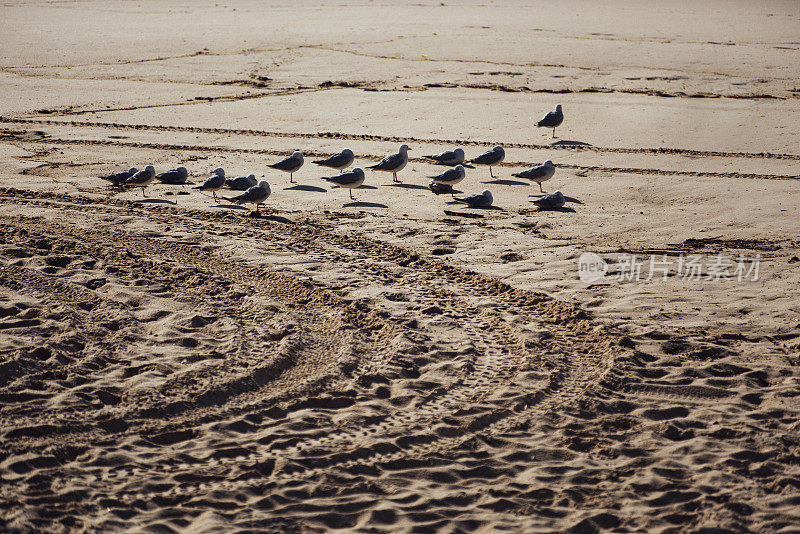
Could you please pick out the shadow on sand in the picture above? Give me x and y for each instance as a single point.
(360, 204)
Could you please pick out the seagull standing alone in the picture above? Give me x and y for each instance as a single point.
(448, 157)
(349, 180)
(491, 157)
(142, 178)
(393, 163)
(214, 183)
(538, 174)
(119, 178)
(339, 161)
(552, 120)
(291, 164)
(255, 195)
(450, 177)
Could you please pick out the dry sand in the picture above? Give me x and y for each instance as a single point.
(170, 364)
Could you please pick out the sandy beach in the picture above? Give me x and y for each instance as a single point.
(400, 362)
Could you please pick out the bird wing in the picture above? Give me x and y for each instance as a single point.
(447, 155)
(532, 174)
(336, 160)
(213, 182)
(344, 179)
(138, 178)
(487, 158)
(254, 194)
(389, 163)
(550, 120)
(286, 164)
(449, 174)
(169, 177)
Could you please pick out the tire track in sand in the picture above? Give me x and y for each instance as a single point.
(577, 352)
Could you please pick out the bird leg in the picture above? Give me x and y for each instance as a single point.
(351, 194)
(214, 194)
(394, 177)
(490, 171)
(143, 195)
(540, 188)
(291, 179)
(554, 132)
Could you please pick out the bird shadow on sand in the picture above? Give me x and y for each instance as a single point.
(230, 206)
(269, 217)
(564, 209)
(359, 187)
(361, 204)
(501, 181)
(156, 201)
(303, 187)
(564, 142)
(468, 207)
(406, 186)
(566, 198)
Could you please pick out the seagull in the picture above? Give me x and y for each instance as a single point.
(241, 183)
(393, 163)
(214, 183)
(174, 177)
(448, 157)
(492, 157)
(291, 164)
(483, 200)
(538, 174)
(349, 180)
(552, 120)
(255, 195)
(553, 201)
(339, 161)
(142, 178)
(119, 178)
(450, 177)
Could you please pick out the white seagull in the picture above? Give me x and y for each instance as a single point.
(255, 195)
(349, 180)
(552, 120)
(393, 163)
(339, 161)
(291, 164)
(491, 157)
(538, 174)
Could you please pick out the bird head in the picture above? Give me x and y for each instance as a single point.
(548, 162)
(220, 171)
(403, 148)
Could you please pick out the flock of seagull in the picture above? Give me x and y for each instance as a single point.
(257, 192)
